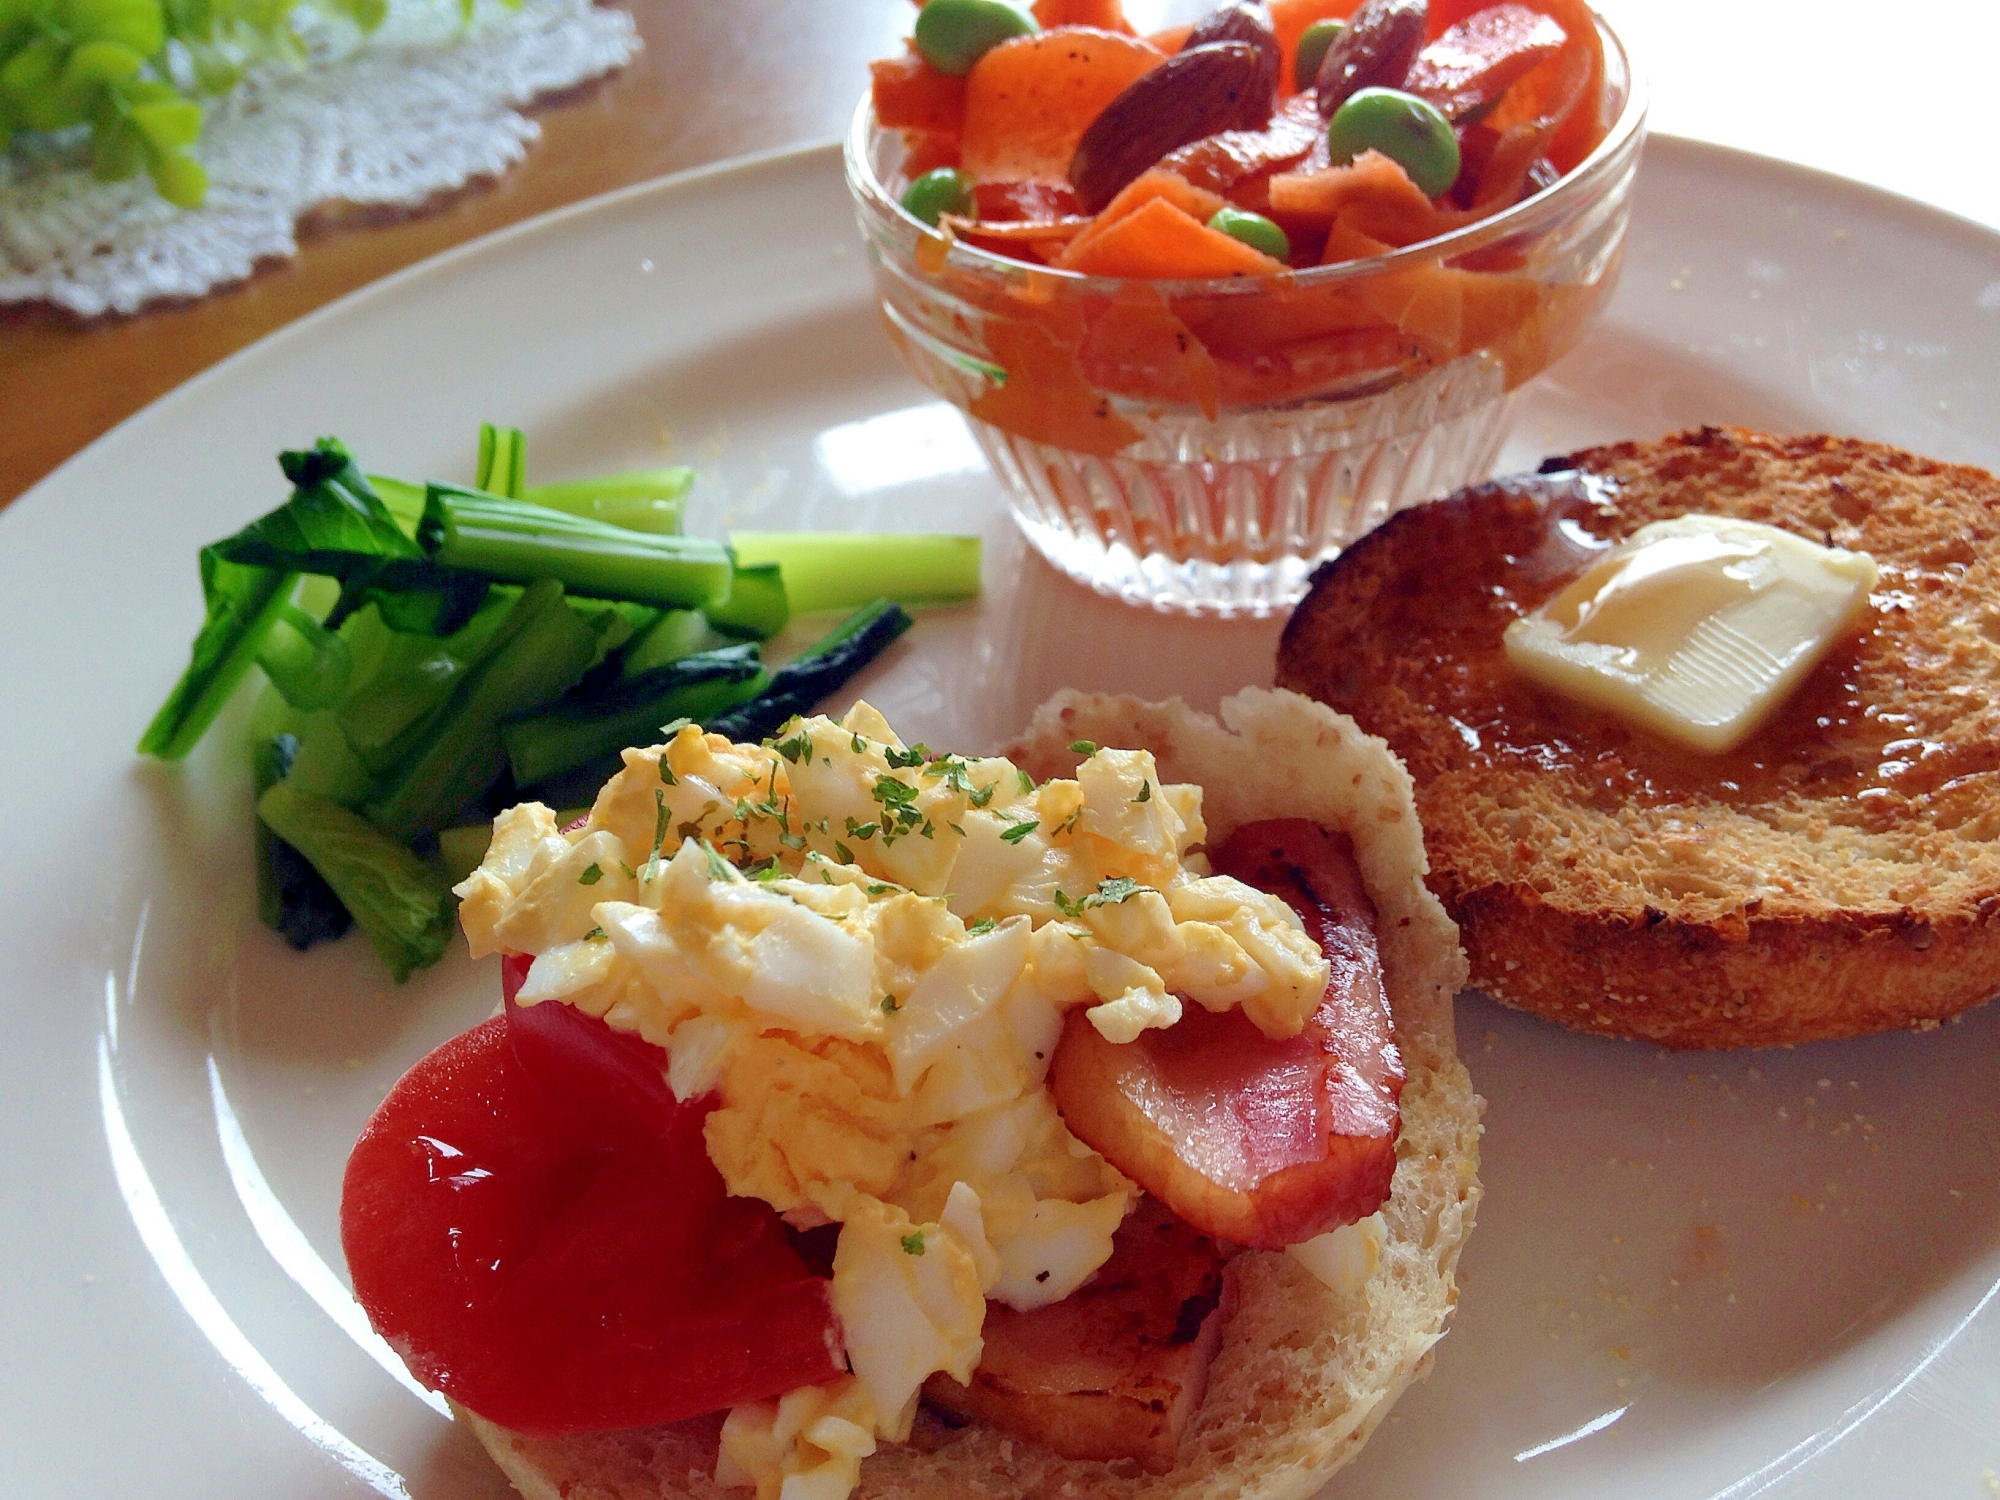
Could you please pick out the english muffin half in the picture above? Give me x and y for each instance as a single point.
(1837, 874)
(1304, 1372)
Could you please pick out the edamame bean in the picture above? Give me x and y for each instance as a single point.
(1254, 230)
(935, 194)
(1408, 130)
(955, 34)
(1313, 42)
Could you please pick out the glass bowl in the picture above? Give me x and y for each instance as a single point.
(1161, 464)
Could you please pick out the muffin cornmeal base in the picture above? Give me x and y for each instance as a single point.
(1304, 1374)
(1836, 875)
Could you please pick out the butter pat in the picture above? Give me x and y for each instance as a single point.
(1696, 628)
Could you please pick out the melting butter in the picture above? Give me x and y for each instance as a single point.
(1696, 628)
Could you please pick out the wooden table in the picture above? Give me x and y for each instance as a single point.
(713, 81)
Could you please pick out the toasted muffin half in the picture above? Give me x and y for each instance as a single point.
(1837, 874)
(1304, 1373)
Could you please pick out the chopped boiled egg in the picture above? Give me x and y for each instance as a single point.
(1346, 1257)
(865, 952)
(909, 1301)
(807, 1445)
(1057, 1249)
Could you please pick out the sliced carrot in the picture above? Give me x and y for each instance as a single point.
(1234, 326)
(1399, 222)
(1004, 235)
(1466, 71)
(1318, 197)
(1221, 162)
(910, 94)
(1051, 301)
(1030, 99)
(1345, 242)
(1157, 183)
(1045, 397)
(1290, 18)
(1504, 177)
(1506, 159)
(1449, 311)
(1138, 346)
(934, 249)
(1172, 39)
(1029, 251)
(1144, 189)
(1159, 239)
(1026, 202)
(1555, 327)
(1105, 15)
(1307, 367)
(926, 150)
(1254, 193)
(1543, 94)
(1490, 306)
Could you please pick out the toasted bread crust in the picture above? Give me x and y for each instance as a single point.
(1839, 875)
(1303, 1374)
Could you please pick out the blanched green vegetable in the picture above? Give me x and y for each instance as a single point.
(843, 569)
(818, 671)
(648, 500)
(399, 900)
(243, 602)
(522, 542)
(758, 605)
(587, 727)
(434, 650)
(293, 899)
(334, 524)
(462, 850)
(643, 500)
(680, 632)
(305, 661)
(503, 461)
(540, 649)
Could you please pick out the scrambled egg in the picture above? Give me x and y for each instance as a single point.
(866, 951)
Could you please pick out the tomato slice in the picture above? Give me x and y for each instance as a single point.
(533, 1223)
(572, 1056)
(1263, 1142)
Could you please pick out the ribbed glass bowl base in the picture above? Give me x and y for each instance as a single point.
(1229, 517)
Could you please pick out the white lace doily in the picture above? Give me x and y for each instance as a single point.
(420, 107)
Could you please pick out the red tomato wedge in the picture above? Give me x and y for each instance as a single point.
(1263, 1142)
(533, 1223)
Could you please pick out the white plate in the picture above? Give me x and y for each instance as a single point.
(1695, 1275)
